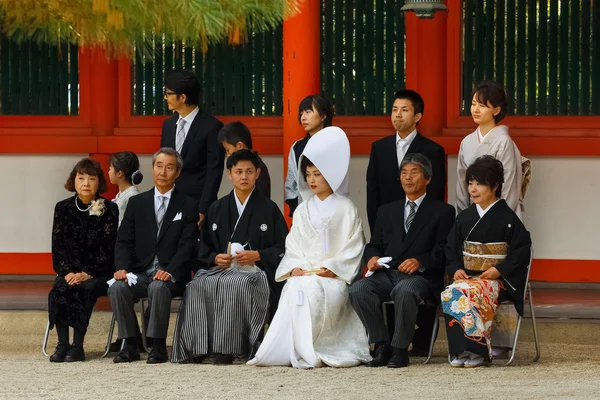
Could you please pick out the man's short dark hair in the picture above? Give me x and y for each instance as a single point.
(488, 171)
(420, 160)
(90, 167)
(414, 97)
(321, 104)
(243, 155)
(235, 132)
(493, 93)
(184, 82)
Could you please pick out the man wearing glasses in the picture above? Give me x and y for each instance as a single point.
(193, 134)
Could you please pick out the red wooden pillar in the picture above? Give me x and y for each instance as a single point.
(103, 88)
(426, 67)
(301, 69)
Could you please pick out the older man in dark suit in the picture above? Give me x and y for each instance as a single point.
(155, 243)
(411, 233)
(383, 184)
(193, 134)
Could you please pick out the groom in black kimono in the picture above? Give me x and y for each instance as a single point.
(412, 232)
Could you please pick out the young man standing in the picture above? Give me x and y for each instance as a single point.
(193, 134)
(236, 136)
(383, 182)
(314, 114)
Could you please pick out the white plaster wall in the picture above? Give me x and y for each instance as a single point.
(561, 206)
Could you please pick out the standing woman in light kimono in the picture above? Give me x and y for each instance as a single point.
(487, 255)
(488, 108)
(315, 324)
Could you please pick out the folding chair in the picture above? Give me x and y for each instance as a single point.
(436, 327)
(111, 328)
(527, 296)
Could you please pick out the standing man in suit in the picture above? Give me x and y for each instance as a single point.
(155, 243)
(412, 232)
(193, 134)
(383, 184)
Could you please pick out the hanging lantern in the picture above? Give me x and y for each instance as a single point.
(423, 8)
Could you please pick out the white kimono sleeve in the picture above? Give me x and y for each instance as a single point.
(510, 157)
(294, 255)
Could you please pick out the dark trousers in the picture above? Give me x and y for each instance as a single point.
(408, 292)
(160, 293)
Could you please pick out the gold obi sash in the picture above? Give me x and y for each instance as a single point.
(483, 256)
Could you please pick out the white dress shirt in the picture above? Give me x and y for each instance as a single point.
(188, 122)
(157, 196)
(407, 208)
(402, 145)
(481, 211)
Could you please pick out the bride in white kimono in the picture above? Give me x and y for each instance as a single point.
(488, 108)
(315, 324)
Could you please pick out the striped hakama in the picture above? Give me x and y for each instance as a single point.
(223, 312)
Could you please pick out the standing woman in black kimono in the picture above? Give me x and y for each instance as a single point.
(83, 243)
(488, 254)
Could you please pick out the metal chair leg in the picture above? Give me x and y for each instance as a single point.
(45, 342)
(534, 325)
(111, 330)
(515, 341)
(143, 311)
(436, 328)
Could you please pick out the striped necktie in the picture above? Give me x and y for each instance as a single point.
(160, 213)
(180, 137)
(411, 215)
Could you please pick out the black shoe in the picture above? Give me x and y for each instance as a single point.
(418, 352)
(158, 355)
(383, 352)
(198, 359)
(60, 353)
(128, 354)
(115, 346)
(399, 358)
(75, 353)
(223, 359)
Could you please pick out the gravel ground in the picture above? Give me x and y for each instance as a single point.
(565, 370)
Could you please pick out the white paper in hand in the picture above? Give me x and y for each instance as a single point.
(382, 262)
(236, 248)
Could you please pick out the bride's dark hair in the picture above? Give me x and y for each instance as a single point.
(305, 163)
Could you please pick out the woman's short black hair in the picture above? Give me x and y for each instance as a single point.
(128, 163)
(304, 164)
(488, 171)
(491, 92)
(243, 155)
(414, 97)
(90, 167)
(184, 82)
(321, 104)
(235, 132)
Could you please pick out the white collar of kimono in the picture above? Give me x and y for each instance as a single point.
(491, 133)
(329, 150)
(417, 201)
(241, 207)
(481, 211)
(408, 139)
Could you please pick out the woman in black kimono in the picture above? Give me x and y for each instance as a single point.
(83, 241)
(488, 255)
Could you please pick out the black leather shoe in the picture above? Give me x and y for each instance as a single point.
(75, 353)
(128, 354)
(223, 359)
(158, 355)
(382, 355)
(399, 358)
(60, 353)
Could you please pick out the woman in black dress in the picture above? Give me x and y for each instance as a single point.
(83, 241)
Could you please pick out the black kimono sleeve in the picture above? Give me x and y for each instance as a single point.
(271, 256)
(519, 249)
(454, 256)
(207, 251)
